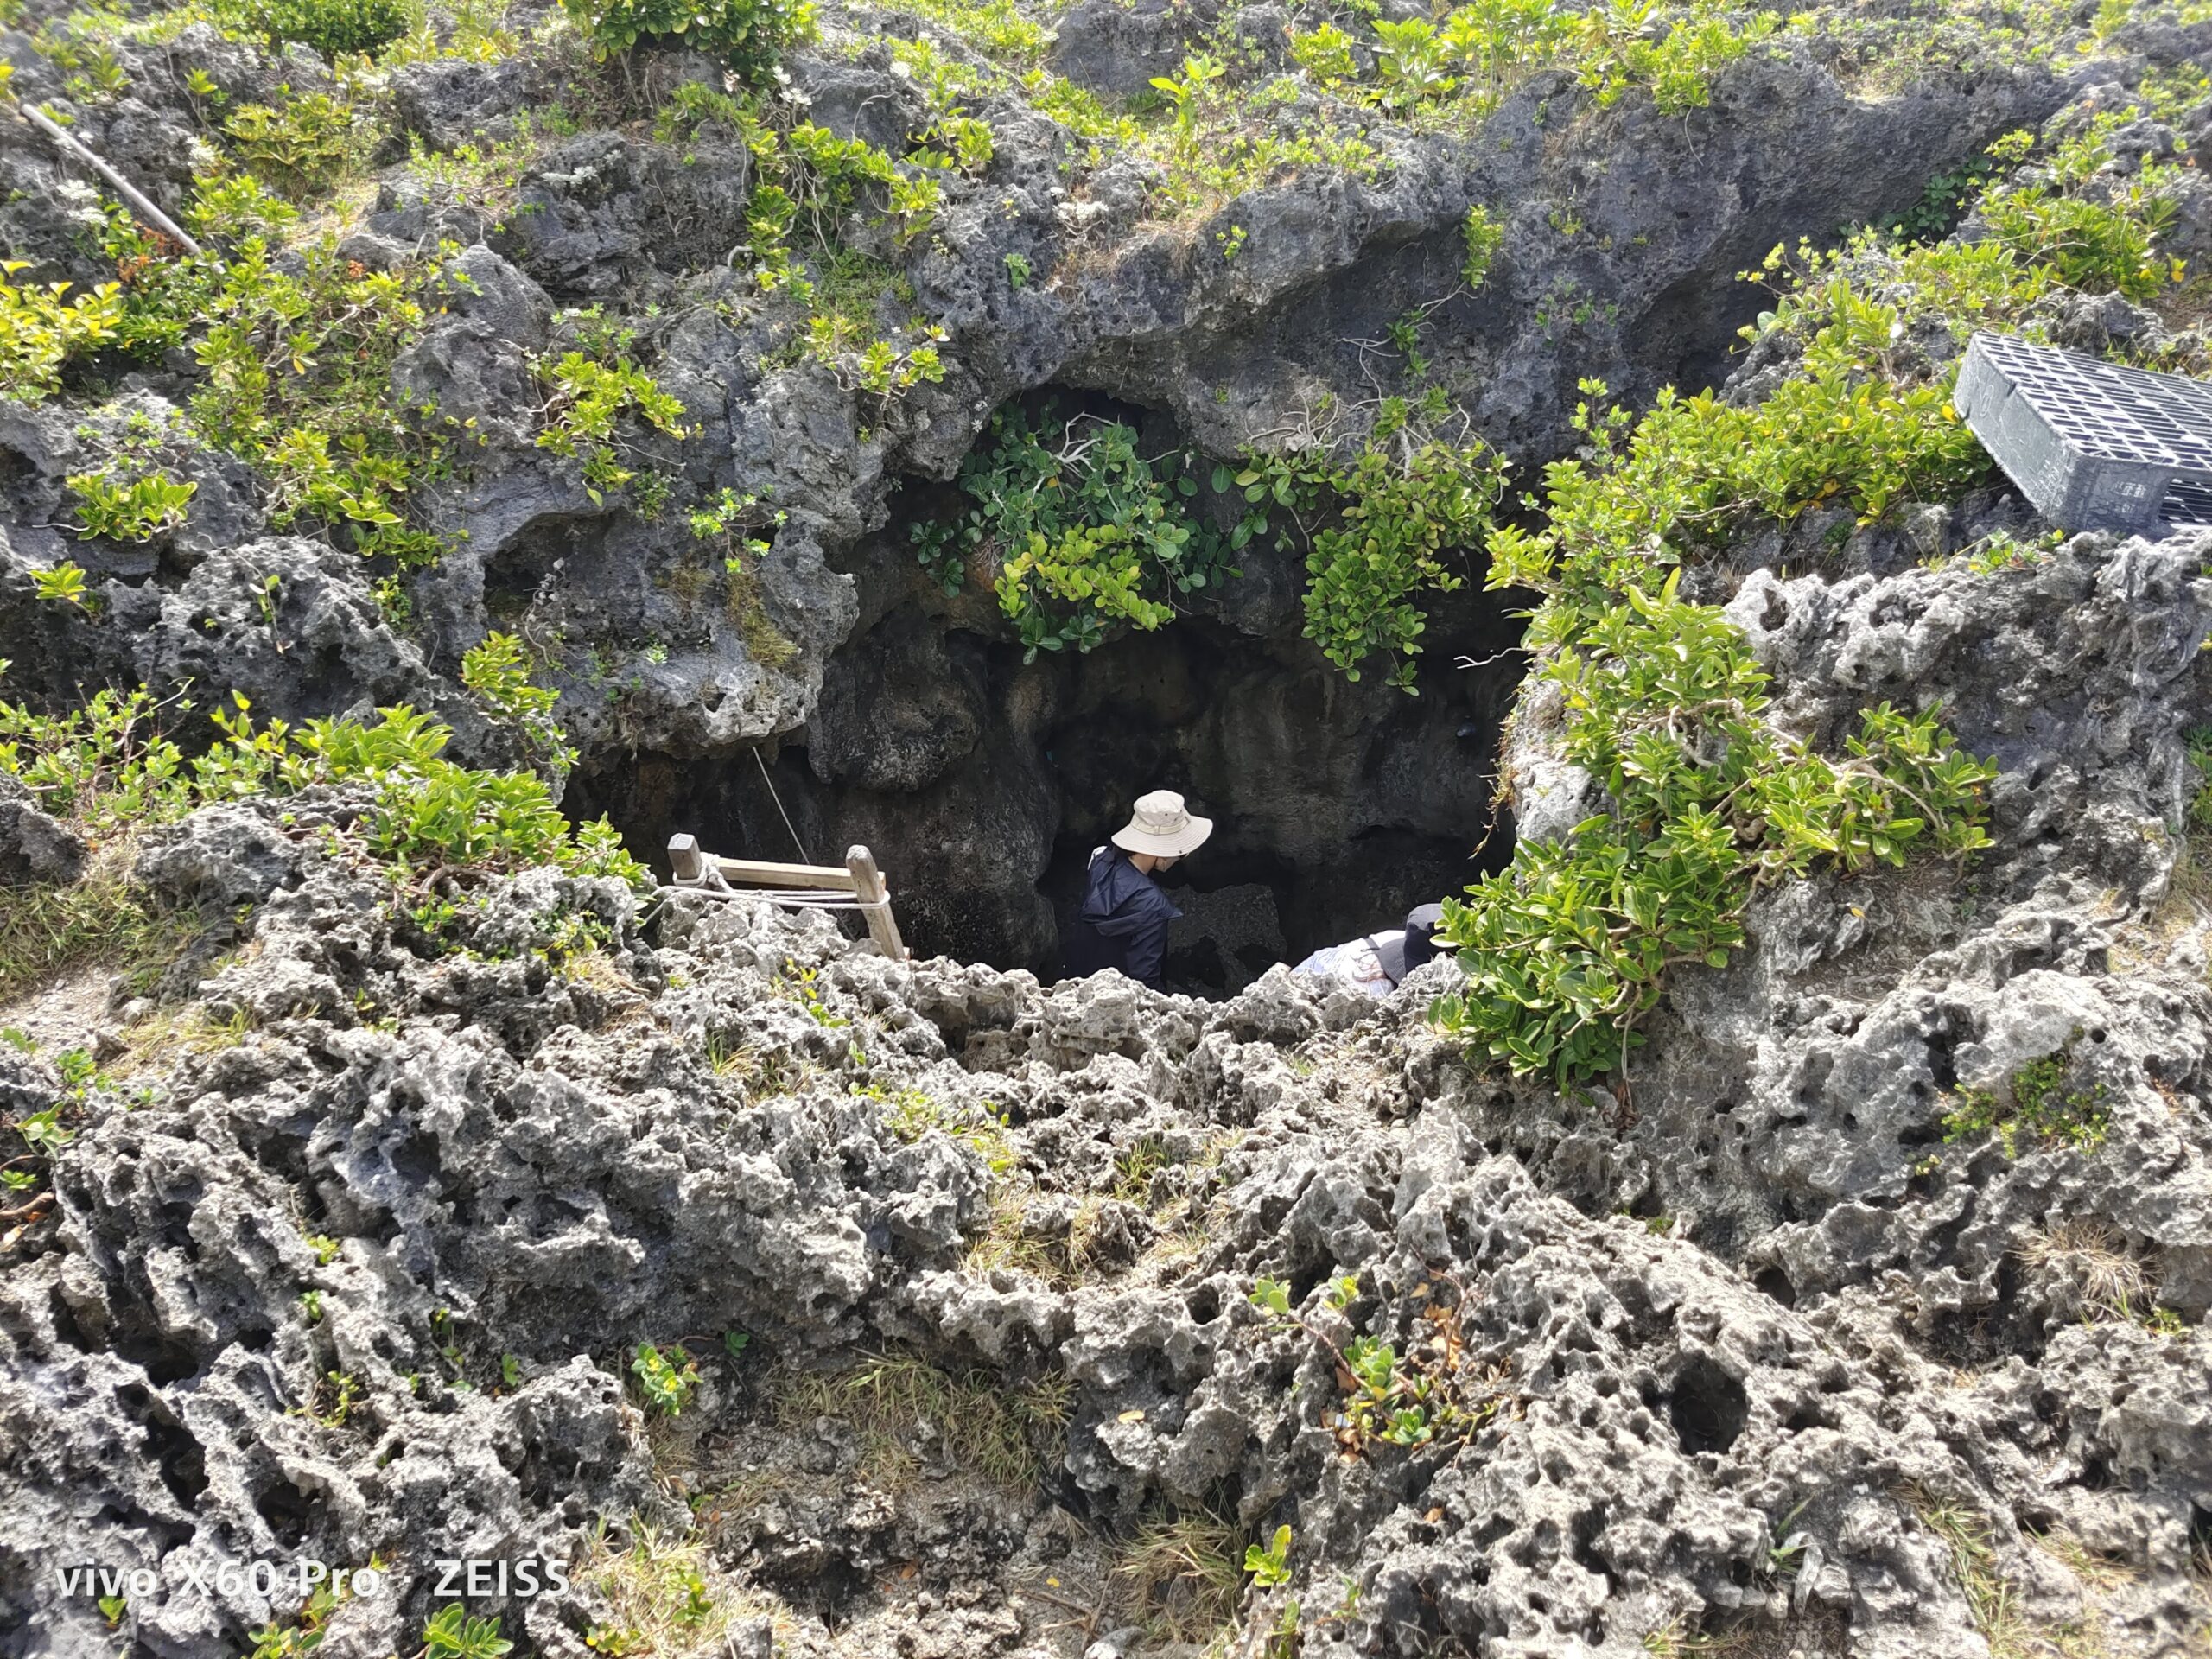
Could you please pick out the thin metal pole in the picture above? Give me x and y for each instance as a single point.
(72, 146)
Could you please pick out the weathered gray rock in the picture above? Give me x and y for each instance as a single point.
(34, 846)
(364, 1270)
(1733, 1409)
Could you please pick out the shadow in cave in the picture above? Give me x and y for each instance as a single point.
(1337, 807)
(982, 782)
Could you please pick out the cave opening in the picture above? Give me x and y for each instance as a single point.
(982, 776)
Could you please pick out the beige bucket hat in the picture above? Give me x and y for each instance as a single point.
(1163, 826)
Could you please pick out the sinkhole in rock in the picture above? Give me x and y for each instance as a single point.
(1707, 1406)
(983, 781)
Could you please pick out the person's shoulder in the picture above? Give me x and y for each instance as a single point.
(1151, 897)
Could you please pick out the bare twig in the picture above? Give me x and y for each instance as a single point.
(30, 1212)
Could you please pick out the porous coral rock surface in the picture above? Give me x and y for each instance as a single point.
(1823, 1380)
(1000, 1294)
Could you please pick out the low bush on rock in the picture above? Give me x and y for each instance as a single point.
(1380, 521)
(109, 767)
(1705, 800)
(748, 35)
(43, 326)
(2042, 1104)
(1083, 533)
(334, 28)
(300, 145)
(296, 360)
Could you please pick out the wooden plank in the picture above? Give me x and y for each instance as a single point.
(867, 888)
(753, 872)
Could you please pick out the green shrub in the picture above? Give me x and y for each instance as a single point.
(64, 584)
(1484, 236)
(1396, 520)
(108, 766)
(40, 329)
(2198, 751)
(586, 400)
(1083, 532)
(1942, 200)
(1324, 53)
(298, 382)
(452, 1633)
(133, 510)
(1375, 528)
(301, 146)
(1410, 62)
(1621, 50)
(497, 671)
(749, 36)
(877, 367)
(1704, 800)
(1566, 950)
(2087, 245)
(227, 208)
(334, 27)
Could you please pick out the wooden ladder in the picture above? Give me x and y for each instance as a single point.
(859, 884)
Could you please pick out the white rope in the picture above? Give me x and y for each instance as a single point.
(805, 857)
(714, 887)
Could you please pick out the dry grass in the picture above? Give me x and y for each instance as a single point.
(163, 1038)
(666, 1598)
(1147, 1174)
(2098, 1573)
(46, 931)
(738, 1062)
(600, 972)
(1967, 1534)
(1004, 1243)
(1990, 1598)
(1182, 1578)
(896, 1404)
(2093, 1255)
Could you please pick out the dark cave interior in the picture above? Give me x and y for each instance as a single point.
(982, 782)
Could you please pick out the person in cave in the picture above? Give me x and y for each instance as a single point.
(1122, 921)
(1377, 964)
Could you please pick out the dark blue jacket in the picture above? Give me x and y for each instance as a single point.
(1121, 923)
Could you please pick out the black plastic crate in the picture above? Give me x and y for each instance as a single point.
(2093, 445)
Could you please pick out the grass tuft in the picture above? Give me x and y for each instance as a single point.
(1182, 1578)
(2087, 1251)
(48, 931)
(663, 1597)
(895, 1403)
(1967, 1534)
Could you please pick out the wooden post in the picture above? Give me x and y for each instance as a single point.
(683, 858)
(868, 887)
